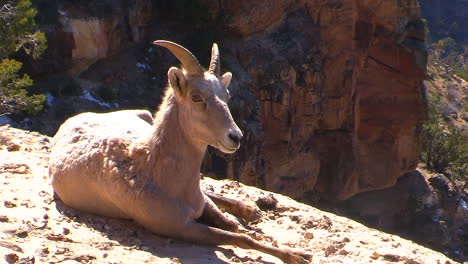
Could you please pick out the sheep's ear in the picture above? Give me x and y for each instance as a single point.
(226, 79)
(177, 80)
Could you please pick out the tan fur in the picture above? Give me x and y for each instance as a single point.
(119, 165)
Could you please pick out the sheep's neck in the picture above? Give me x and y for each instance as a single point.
(174, 158)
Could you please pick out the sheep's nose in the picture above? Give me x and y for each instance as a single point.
(236, 137)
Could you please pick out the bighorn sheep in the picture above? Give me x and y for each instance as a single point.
(118, 165)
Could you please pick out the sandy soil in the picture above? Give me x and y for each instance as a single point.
(36, 228)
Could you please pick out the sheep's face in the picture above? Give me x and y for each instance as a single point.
(203, 109)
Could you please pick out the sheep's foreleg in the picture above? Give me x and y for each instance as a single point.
(170, 217)
(200, 233)
(248, 212)
(213, 216)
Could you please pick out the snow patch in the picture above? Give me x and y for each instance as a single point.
(5, 120)
(50, 99)
(88, 96)
(142, 67)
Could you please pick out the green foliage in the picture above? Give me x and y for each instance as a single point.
(427, 31)
(463, 73)
(449, 52)
(17, 33)
(445, 147)
(446, 46)
(13, 97)
(16, 29)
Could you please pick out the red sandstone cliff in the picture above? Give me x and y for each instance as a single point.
(328, 93)
(338, 89)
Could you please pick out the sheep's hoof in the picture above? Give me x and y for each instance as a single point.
(299, 258)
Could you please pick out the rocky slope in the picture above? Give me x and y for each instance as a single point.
(328, 93)
(36, 228)
(453, 93)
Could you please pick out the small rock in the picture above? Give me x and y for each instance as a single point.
(11, 258)
(4, 219)
(45, 251)
(343, 252)
(9, 204)
(274, 243)
(346, 240)
(325, 223)
(395, 245)
(61, 251)
(384, 239)
(409, 261)
(55, 237)
(375, 255)
(330, 250)
(66, 231)
(28, 260)
(309, 235)
(105, 255)
(84, 258)
(308, 225)
(268, 202)
(210, 188)
(391, 257)
(257, 236)
(13, 147)
(22, 234)
(296, 218)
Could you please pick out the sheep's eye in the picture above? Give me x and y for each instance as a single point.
(196, 98)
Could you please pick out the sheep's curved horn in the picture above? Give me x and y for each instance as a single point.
(215, 64)
(189, 61)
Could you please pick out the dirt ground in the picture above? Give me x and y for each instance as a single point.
(36, 228)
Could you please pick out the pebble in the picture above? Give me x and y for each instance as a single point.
(330, 250)
(22, 234)
(267, 202)
(66, 231)
(11, 258)
(13, 147)
(343, 252)
(9, 204)
(295, 218)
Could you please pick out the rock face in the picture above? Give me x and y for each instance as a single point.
(328, 93)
